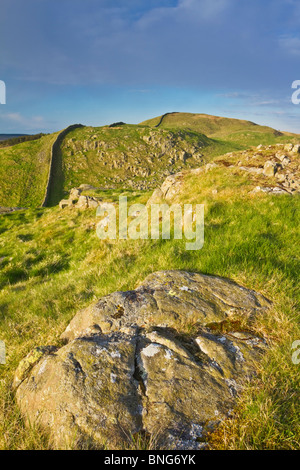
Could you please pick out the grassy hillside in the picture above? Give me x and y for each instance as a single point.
(128, 155)
(52, 264)
(235, 131)
(24, 172)
(123, 156)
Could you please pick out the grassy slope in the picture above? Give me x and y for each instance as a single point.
(234, 131)
(24, 172)
(52, 265)
(126, 146)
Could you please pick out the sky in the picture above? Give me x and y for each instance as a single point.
(96, 62)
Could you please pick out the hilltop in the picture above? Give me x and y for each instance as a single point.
(242, 133)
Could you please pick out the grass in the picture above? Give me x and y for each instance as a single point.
(52, 264)
(24, 172)
(267, 416)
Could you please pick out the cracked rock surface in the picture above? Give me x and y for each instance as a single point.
(129, 365)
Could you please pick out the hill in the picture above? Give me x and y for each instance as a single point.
(128, 155)
(121, 156)
(240, 132)
(10, 136)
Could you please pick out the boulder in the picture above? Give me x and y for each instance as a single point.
(210, 166)
(87, 202)
(65, 203)
(92, 203)
(74, 194)
(288, 147)
(171, 186)
(156, 198)
(4, 210)
(86, 187)
(296, 148)
(285, 161)
(130, 366)
(270, 168)
(82, 202)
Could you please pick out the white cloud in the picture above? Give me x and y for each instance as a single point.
(290, 44)
(26, 122)
(206, 9)
(191, 10)
(15, 117)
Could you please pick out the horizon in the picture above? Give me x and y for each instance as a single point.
(148, 118)
(104, 62)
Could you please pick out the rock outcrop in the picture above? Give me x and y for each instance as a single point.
(276, 166)
(6, 210)
(76, 199)
(168, 190)
(154, 360)
(140, 159)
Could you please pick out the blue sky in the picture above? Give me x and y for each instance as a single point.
(99, 61)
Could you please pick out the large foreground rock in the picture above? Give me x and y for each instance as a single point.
(151, 360)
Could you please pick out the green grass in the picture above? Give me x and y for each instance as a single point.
(52, 264)
(24, 172)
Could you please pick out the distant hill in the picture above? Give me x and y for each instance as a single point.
(245, 133)
(7, 140)
(10, 136)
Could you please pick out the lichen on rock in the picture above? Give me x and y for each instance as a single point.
(138, 372)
